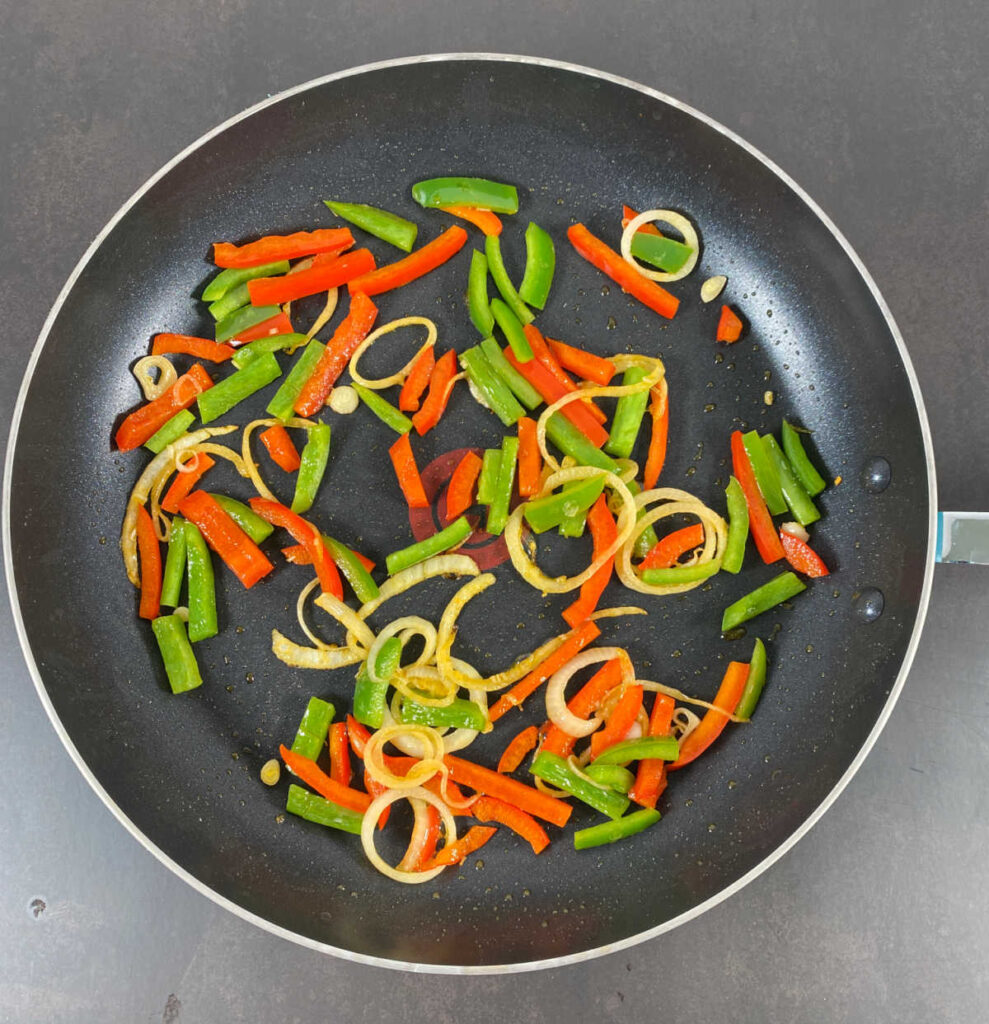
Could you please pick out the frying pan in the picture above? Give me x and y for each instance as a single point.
(181, 773)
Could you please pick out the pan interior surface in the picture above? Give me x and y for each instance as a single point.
(184, 770)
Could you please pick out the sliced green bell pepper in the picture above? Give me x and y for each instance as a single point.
(370, 695)
(202, 588)
(803, 508)
(754, 683)
(765, 473)
(738, 527)
(663, 253)
(540, 263)
(384, 410)
(498, 508)
(769, 595)
(241, 319)
(496, 267)
(170, 431)
(517, 384)
(487, 482)
(389, 227)
(315, 724)
(496, 392)
(232, 277)
(314, 457)
(612, 831)
(543, 514)
(273, 343)
(478, 306)
(663, 748)
(459, 714)
(553, 769)
(245, 517)
(453, 536)
(628, 416)
(176, 653)
(477, 192)
(806, 473)
(174, 574)
(321, 811)
(282, 405)
(241, 384)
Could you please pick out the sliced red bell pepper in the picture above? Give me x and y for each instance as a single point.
(184, 482)
(352, 330)
(622, 718)
(584, 364)
(542, 352)
(601, 523)
(490, 808)
(650, 778)
(299, 554)
(413, 266)
(339, 753)
(727, 698)
(245, 559)
(530, 459)
(665, 552)
(149, 553)
(186, 345)
(460, 490)
(490, 783)
(729, 326)
(453, 853)
(423, 841)
(441, 382)
(314, 776)
(306, 534)
(278, 324)
(358, 735)
(272, 248)
(628, 278)
(408, 473)
(151, 417)
(760, 522)
(659, 413)
(327, 272)
(417, 380)
(488, 222)
(279, 445)
(802, 556)
(514, 754)
(586, 700)
(629, 214)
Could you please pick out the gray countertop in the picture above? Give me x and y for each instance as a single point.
(878, 110)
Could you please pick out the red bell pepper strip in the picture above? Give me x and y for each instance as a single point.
(278, 324)
(183, 483)
(584, 364)
(622, 718)
(327, 272)
(659, 413)
(488, 222)
(802, 556)
(358, 735)
(339, 754)
(603, 532)
(516, 751)
(611, 263)
(408, 473)
(314, 776)
(298, 554)
(586, 700)
(151, 417)
(418, 378)
(518, 794)
(729, 326)
(186, 345)
(460, 491)
(279, 444)
(727, 698)
(453, 853)
(272, 248)
(413, 266)
(403, 765)
(760, 523)
(441, 382)
(375, 789)
(489, 808)
(244, 558)
(306, 534)
(530, 459)
(149, 553)
(352, 330)
(423, 841)
(665, 552)
(647, 229)
(650, 778)
(579, 638)
(542, 352)
(551, 390)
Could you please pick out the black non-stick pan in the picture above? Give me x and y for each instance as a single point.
(181, 773)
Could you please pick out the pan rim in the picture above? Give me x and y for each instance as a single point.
(583, 955)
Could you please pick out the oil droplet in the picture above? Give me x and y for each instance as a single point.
(710, 407)
(732, 783)
(479, 865)
(719, 357)
(677, 654)
(809, 648)
(688, 803)
(767, 375)
(868, 604)
(735, 634)
(605, 290)
(711, 827)
(876, 475)
(691, 470)
(249, 677)
(612, 323)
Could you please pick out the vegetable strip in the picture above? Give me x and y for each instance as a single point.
(603, 532)
(584, 364)
(760, 523)
(650, 778)
(312, 775)
(725, 702)
(490, 783)
(185, 481)
(557, 772)
(500, 502)
(659, 414)
(516, 751)
(460, 491)
(800, 462)
(184, 344)
(241, 384)
(530, 458)
(667, 551)
(484, 220)
(340, 770)
(150, 555)
(324, 274)
(174, 572)
(622, 718)
(540, 263)
(490, 808)
(282, 247)
(176, 653)
(586, 700)
(389, 227)
(151, 417)
(417, 380)
(441, 382)
(612, 831)
(279, 446)
(312, 467)
(313, 729)
(446, 540)
(305, 533)
(408, 473)
(413, 266)
(247, 561)
(202, 589)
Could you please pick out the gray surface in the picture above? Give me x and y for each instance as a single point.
(880, 913)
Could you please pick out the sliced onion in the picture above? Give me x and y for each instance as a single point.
(343, 400)
(250, 465)
(324, 317)
(291, 653)
(440, 565)
(796, 530)
(556, 702)
(300, 614)
(684, 723)
(674, 219)
(347, 618)
(370, 820)
(678, 695)
(713, 287)
(576, 766)
(154, 387)
(616, 613)
(399, 376)
(426, 739)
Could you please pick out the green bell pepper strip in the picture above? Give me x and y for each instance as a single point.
(769, 595)
(238, 321)
(496, 267)
(512, 329)
(282, 405)
(452, 537)
(459, 714)
(384, 410)
(389, 227)
(765, 473)
(663, 748)
(613, 776)
(663, 253)
(230, 302)
(812, 481)
(241, 384)
(487, 481)
(496, 392)
(314, 457)
(553, 769)
(517, 384)
(573, 442)
(202, 589)
(176, 653)
(543, 514)
(738, 527)
(540, 263)
(360, 580)
(754, 683)
(628, 416)
(478, 306)
(498, 508)
(679, 574)
(170, 431)
(232, 277)
(321, 811)
(477, 192)
(315, 724)
(273, 343)
(612, 831)
(245, 517)
(803, 508)
(370, 695)
(573, 525)
(171, 580)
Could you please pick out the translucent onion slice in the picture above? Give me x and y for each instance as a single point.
(300, 614)
(370, 822)
(399, 376)
(670, 691)
(684, 723)
(556, 702)
(425, 738)
(713, 287)
(576, 766)
(290, 653)
(617, 613)
(347, 618)
(154, 387)
(440, 565)
(408, 626)
(343, 400)
(675, 220)
(324, 317)
(459, 738)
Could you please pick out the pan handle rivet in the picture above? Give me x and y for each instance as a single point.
(876, 475)
(868, 603)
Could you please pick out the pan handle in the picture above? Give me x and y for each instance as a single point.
(963, 537)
